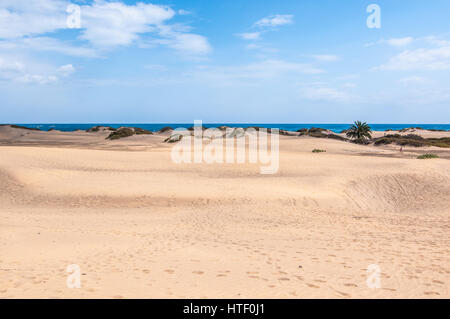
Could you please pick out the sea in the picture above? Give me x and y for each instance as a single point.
(337, 128)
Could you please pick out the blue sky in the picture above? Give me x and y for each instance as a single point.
(302, 61)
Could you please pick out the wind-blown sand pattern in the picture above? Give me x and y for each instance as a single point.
(141, 226)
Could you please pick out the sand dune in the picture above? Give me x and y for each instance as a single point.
(142, 226)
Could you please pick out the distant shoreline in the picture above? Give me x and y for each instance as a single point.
(154, 127)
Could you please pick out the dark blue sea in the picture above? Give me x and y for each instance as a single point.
(289, 127)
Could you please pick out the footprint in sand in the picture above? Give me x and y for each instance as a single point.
(428, 293)
(169, 271)
(312, 286)
(343, 293)
(198, 272)
(319, 280)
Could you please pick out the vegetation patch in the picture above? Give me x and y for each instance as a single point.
(410, 129)
(427, 156)
(173, 138)
(165, 129)
(319, 133)
(97, 129)
(311, 130)
(318, 151)
(141, 131)
(439, 142)
(411, 140)
(127, 132)
(23, 127)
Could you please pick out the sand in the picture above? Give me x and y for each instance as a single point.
(140, 226)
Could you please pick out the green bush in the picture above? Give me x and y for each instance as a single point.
(427, 156)
(318, 151)
(126, 132)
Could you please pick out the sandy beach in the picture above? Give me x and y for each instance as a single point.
(140, 226)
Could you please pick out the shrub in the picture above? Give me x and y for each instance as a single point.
(427, 156)
(126, 132)
(25, 128)
(165, 129)
(140, 131)
(409, 129)
(318, 133)
(411, 140)
(97, 129)
(121, 133)
(318, 151)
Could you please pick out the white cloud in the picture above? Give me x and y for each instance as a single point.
(252, 74)
(349, 85)
(7, 65)
(275, 20)
(250, 35)
(66, 70)
(184, 12)
(399, 42)
(24, 70)
(39, 79)
(436, 41)
(270, 68)
(20, 18)
(189, 43)
(107, 24)
(326, 57)
(420, 59)
(113, 24)
(104, 24)
(265, 25)
(413, 80)
(325, 93)
(48, 44)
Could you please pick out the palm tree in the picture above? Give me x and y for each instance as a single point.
(359, 131)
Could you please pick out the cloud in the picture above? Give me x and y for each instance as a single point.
(35, 78)
(114, 24)
(399, 42)
(395, 42)
(252, 74)
(320, 93)
(48, 44)
(7, 65)
(250, 35)
(182, 12)
(419, 59)
(436, 41)
(66, 70)
(274, 21)
(20, 18)
(325, 57)
(104, 25)
(269, 68)
(14, 69)
(265, 25)
(413, 80)
(189, 43)
(107, 24)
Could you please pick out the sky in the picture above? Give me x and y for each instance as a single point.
(227, 61)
